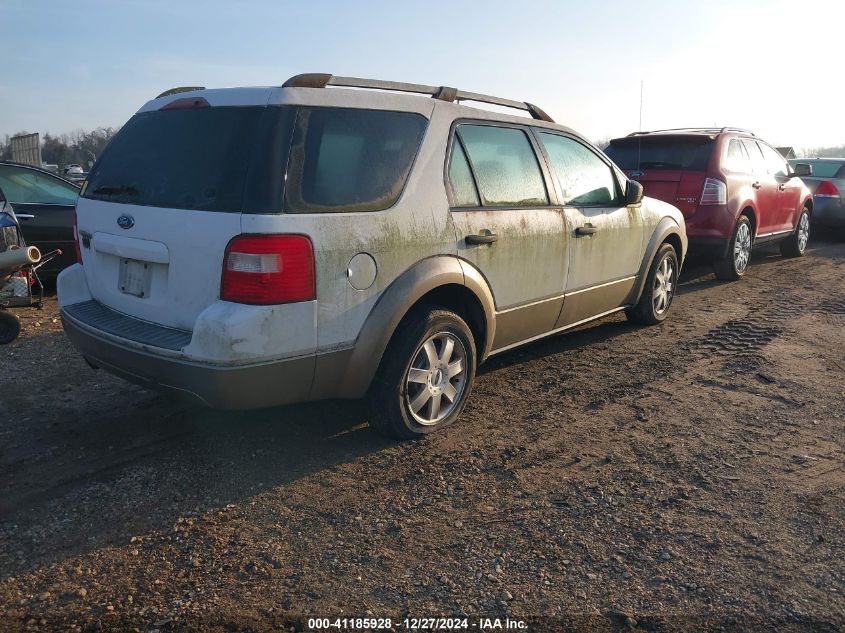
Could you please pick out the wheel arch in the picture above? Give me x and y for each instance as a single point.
(749, 212)
(667, 230)
(443, 280)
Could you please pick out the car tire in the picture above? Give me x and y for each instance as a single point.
(10, 327)
(733, 267)
(659, 290)
(410, 395)
(796, 244)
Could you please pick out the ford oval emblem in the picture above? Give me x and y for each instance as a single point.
(126, 221)
(636, 174)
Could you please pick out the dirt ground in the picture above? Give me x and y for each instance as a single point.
(688, 476)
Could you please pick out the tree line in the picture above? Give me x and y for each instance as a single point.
(78, 147)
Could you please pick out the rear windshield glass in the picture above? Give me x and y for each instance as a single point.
(260, 160)
(345, 159)
(822, 168)
(652, 153)
(185, 159)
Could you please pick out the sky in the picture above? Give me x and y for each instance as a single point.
(774, 67)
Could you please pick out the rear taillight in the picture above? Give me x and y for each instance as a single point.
(714, 192)
(268, 269)
(827, 189)
(76, 238)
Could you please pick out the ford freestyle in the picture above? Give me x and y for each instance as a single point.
(341, 237)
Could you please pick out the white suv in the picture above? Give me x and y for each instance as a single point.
(253, 247)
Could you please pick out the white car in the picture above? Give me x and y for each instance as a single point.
(334, 237)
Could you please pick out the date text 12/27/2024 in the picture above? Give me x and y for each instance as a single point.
(417, 624)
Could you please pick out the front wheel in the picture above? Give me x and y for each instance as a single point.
(425, 376)
(796, 244)
(659, 290)
(733, 267)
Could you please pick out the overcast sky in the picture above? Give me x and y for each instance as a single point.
(774, 67)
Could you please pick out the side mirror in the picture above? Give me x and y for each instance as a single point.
(633, 193)
(803, 170)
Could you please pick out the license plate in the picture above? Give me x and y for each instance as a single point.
(135, 277)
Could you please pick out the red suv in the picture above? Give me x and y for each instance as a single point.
(735, 190)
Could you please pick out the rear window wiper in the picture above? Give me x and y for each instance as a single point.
(118, 190)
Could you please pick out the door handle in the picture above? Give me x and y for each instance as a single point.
(24, 216)
(757, 185)
(587, 229)
(781, 187)
(487, 238)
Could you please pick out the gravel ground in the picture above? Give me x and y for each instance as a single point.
(683, 477)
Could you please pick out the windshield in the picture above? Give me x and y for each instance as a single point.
(186, 159)
(656, 153)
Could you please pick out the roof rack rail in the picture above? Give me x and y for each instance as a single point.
(177, 90)
(443, 93)
(710, 130)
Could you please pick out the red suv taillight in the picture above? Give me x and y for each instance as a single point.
(827, 189)
(76, 238)
(268, 269)
(714, 192)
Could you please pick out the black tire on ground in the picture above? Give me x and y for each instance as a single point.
(729, 269)
(796, 244)
(407, 376)
(10, 327)
(660, 283)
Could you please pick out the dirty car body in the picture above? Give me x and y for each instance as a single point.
(261, 246)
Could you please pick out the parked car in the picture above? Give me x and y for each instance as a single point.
(259, 246)
(735, 190)
(44, 205)
(827, 184)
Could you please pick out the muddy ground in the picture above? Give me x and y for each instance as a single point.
(683, 477)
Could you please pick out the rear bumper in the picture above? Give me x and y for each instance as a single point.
(218, 386)
(828, 211)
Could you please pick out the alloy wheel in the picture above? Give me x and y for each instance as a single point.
(664, 285)
(803, 232)
(742, 248)
(436, 378)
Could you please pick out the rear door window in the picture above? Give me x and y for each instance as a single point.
(758, 163)
(505, 166)
(345, 159)
(583, 177)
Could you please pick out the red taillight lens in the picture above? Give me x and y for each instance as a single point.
(76, 239)
(714, 192)
(827, 189)
(268, 269)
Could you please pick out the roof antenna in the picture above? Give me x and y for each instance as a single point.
(640, 139)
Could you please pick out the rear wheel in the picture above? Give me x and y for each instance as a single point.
(735, 264)
(796, 244)
(10, 327)
(659, 290)
(426, 375)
